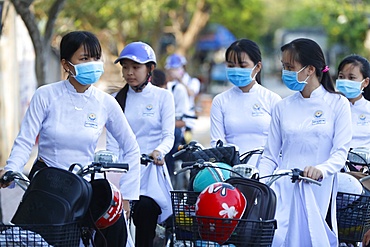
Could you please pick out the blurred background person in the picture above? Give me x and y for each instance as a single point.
(352, 82)
(159, 78)
(176, 65)
(181, 98)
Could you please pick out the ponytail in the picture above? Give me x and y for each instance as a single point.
(122, 96)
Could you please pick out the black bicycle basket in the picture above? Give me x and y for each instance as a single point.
(207, 231)
(353, 216)
(60, 235)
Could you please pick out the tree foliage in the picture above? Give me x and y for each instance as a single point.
(345, 21)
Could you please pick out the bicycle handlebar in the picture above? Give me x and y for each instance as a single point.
(296, 174)
(200, 164)
(100, 167)
(146, 159)
(19, 178)
(188, 165)
(191, 146)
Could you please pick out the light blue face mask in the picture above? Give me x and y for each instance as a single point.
(350, 89)
(88, 73)
(240, 77)
(290, 79)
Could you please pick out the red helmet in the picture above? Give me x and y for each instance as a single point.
(106, 204)
(216, 203)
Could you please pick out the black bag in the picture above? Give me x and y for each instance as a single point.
(261, 206)
(225, 154)
(261, 199)
(55, 197)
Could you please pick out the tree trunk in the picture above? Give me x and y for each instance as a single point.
(185, 40)
(41, 44)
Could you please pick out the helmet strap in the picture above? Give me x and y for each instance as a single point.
(139, 88)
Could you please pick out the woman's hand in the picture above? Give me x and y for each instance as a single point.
(2, 184)
(158, 157)
(312, 172)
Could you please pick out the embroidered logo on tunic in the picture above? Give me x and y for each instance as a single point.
(91, 121)
(149, 107)
(363, 120)
(318, 118)
(148, 111)
(257, 111)
(318, 114)
(92, 116)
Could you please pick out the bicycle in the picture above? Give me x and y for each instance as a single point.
(189, 228)
(71, 233)
(353, 209)
(220, 153)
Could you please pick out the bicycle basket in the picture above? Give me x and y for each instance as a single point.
(247, 232)
(187, 226)
(353, 216)
(65, 235)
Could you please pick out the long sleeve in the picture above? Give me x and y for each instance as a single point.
(30, 127)
(217, 122)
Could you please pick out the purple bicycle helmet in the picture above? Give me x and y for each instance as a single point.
(175, 61)
(139, 52)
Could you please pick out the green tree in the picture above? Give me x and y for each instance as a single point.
(132, 20)
(346, 21)
(245, 19)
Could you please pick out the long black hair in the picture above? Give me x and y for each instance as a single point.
(308, 52)
(364, 66)
(249, 47)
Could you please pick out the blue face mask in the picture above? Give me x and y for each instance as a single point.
(240, 77)
(88, 73)
(350, 89)
(290, 79)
